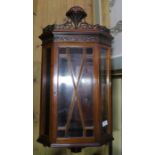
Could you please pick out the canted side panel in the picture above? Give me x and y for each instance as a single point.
(108, 89)
(45, 96)
(97, 107)
(103, 89)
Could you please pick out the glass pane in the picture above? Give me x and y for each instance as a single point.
(85, 90)
(89, 133)
(76, 65)
(61, 133)
(75, 91)
(75, 129)
(103, 86)
(65, 88)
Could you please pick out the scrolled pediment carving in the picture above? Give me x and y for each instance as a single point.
(69, 26)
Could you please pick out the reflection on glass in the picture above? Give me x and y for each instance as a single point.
(75, 92)
(86, 88)
(65, 88)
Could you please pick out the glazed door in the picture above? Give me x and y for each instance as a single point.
(75, 92)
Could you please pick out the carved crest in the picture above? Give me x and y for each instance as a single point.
(76, 14)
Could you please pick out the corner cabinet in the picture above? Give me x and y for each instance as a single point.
(76, 108)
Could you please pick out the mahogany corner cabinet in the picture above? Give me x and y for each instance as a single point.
(76, 105)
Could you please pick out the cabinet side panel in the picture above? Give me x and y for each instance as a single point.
(108, 89)
(45, 91)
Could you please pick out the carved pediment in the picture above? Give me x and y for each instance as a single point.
(69, 26)
(75, 23)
